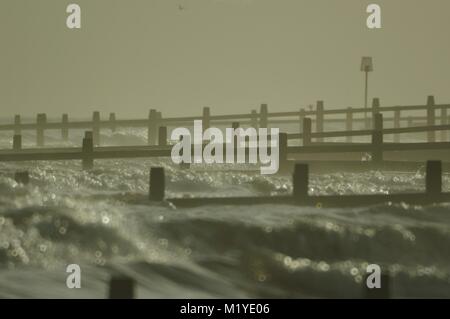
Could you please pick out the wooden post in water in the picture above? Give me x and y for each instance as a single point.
(301, 116)
(17, 121)
(88, 150)
(349, 124)
(112, 121)
(263, 116)
(431, 118)
(254, 119)
(22, 177)
(65, 127)
(433, 178)
(96, 127)
(377, 138)
(206, 122)
(306, 131)
(283, 150)
(162, 136)
(17, 142)
(319, 119)
(397, 125)
(157, 184)
(41, 120)
(444, 121)
(375, 110)
(300, 181)
(152, 123)
(121, 287)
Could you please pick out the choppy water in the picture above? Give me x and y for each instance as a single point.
(101, 221)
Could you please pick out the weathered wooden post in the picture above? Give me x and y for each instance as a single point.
(397, 125)
(319, 119)
(263, 116)
(431, 118)
(349, 124)
(444, 121)
(377, 138)
(301, 116)
(22, 177)
(121, 287)
(112, 121)
(283, 150)
(433, 178)
(206, 121)
(306, 131)
(17, 142)
(41, 120)
(152, 127)
(375, 110)
(96, 127)
(88, 150)
(17, 122)
(254, 119)
(383, 292)
(162, 136)
(157, 184)
(65, 127)
(300, 181)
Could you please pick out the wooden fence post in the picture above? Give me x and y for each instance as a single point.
(152, 123)
(96, 127)
(263, 119)
(375, 110)
(300, 181)
(433, 178)
(444, 121)
(397, 125)
(157, 184)
(41, 120)
(431, 118)
(112, 121)
(377, 138)
(65, 127)
(301, 116)
(254, 119)
(206, 122)
(17, 142)
(162, 136)
(283, 150)
(88, 150)
(17, 121)
(306, 131)
(349, 124)
(319, 119)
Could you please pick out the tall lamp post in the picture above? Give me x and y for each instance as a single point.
(366, 67)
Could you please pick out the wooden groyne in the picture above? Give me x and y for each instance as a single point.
(300, 194)
(320, 116)
(88, 152)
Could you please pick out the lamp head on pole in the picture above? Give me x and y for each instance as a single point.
(367, 64)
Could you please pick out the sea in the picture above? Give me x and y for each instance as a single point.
(102, 221)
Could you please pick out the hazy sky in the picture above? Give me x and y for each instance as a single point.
(231, 55)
